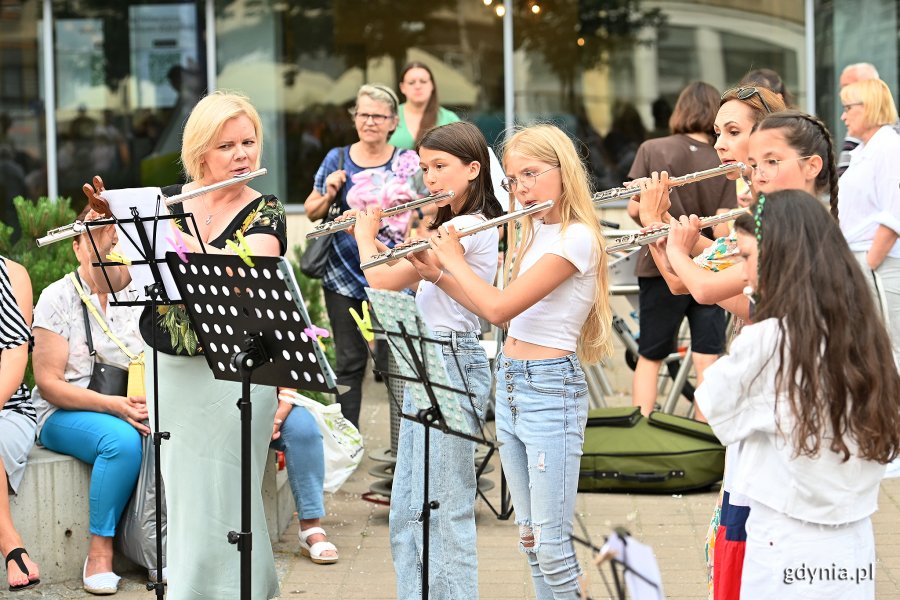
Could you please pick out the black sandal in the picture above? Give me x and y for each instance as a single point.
(16, 555)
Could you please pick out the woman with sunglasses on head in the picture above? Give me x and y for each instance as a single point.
(369, 172)
(870, 194)
(453, 158)
(558, 313)
(740, 110)
(687, 150)
(422, 110)
(804, 393)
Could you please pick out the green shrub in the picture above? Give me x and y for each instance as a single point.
(45, 265)
(315, 306)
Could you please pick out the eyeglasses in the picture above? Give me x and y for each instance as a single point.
(744, 93)
(768, 168)
(364, 117)
(847, 107)
(527, 179)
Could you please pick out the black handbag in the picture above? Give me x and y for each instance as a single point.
(315, 255)
(105, 378)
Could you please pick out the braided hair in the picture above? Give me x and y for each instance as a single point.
(808, 135)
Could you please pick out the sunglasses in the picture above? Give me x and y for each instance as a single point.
(744, 93)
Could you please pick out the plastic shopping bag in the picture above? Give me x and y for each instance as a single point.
(136, 532)
(343, 442)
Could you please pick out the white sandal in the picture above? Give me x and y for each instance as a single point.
(315, 551)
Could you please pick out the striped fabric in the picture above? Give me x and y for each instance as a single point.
(13, 333)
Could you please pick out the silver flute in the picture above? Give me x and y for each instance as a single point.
(621, 193)
(333, 226)
(636, 240)
(78, 227)
(400, 251)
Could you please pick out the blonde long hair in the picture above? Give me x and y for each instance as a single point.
(550, 145)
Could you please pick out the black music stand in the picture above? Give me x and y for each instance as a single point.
(420, 360)
(227, 300)
(141, 240)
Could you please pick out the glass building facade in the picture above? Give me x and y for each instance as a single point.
(104, 86)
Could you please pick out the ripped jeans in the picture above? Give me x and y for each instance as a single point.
(453, 564)
(541, 414)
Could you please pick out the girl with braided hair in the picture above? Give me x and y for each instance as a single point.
(815, 429)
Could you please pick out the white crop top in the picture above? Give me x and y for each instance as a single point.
(443, 313)
(556, 320)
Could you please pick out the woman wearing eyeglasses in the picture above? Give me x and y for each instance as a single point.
(421, 111)
(870, 194)
(370, 172)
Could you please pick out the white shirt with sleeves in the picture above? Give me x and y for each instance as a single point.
(869, 191)
(555, 321)
(59, 310)
(440, 311)
(738, 398)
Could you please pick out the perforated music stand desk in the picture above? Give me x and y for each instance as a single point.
(250, 321)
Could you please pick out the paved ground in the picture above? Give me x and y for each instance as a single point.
(675, 526)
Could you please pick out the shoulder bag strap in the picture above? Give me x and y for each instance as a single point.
(87, 305)
(87, 322)
(334, 209)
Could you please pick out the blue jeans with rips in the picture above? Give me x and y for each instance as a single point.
(453, 564)
(541, 411)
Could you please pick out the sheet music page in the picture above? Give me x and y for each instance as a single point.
(145, 200)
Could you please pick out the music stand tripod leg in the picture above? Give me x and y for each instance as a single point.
(253, 356)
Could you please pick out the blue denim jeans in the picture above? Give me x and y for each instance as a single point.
(541, 414)
(453, 565)
(304, 458)
(114, 449)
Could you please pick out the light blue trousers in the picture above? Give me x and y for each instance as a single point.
(541, 415)
(453, 563)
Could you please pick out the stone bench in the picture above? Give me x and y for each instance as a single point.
(52, 515)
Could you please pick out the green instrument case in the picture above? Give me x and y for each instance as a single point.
(663, 453)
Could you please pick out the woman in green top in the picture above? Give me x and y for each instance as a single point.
(421, 111)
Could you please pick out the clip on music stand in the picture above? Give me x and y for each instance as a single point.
(421, 363)
(141, 239)
(262, 307)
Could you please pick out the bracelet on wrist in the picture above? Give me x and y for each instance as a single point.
(435, 282)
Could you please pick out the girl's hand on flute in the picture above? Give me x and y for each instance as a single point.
(425, 264)
(447, 248)
(655, 202)
(368, 223)
(683, 235)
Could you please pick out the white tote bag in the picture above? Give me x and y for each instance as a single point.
(342, 441)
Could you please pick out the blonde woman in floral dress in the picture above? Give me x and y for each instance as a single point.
(201, 463)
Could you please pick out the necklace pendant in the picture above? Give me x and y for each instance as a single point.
(208, 219)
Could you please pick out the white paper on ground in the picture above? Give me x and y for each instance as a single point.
(638, 558)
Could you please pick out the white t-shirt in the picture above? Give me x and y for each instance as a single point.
(59, 310)
(556, 320)
(869, 191)
(443, 313)
(738, 398)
